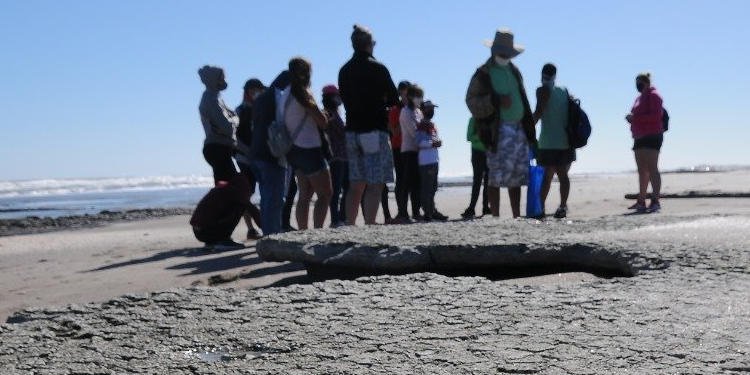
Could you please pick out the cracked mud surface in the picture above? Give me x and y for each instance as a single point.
(689, 318)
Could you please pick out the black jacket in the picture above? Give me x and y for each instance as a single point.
(367, 90)
(264, 113)
(245, 130)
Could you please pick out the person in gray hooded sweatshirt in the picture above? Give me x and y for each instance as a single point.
(219, 123)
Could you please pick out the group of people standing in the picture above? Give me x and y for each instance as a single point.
(347, 163)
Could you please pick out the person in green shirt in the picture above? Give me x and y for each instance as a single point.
(497, 101)
(554, 152)
(479, 166)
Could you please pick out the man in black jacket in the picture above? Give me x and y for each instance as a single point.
(253, 88)
(367, 90)
(270, 171)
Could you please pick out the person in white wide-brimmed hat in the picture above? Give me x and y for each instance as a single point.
(503, 120)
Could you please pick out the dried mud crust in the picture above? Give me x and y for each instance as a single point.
(688, 318)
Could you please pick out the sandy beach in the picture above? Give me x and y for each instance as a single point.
(96, 264)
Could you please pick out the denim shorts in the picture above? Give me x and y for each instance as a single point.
(308, 161)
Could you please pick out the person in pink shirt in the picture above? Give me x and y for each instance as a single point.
(647, 128)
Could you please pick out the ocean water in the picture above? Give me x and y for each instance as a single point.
(63, 197)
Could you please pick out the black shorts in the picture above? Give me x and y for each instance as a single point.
(308, 161)
(249, 175)
(650, 142)
(555, 158)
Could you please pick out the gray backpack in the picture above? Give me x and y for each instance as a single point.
(279, 139)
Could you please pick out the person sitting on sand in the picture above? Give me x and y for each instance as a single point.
(219, 124)
(554, 152)
(428, 142)
(219, 212)
(647, 128)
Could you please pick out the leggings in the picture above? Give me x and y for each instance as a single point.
(479, 164)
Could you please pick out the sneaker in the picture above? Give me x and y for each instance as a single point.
(561, 212)
(288, 228)
(226, 245)
(486, 211)
(654, 206)
(468, 214)
(253, 235)
(636, 205)
(426, 219)
(640, 208)
(403, 220)
(439, 216)
(417, 217)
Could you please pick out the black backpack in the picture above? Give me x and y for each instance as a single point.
(579, 127)
(665, 119)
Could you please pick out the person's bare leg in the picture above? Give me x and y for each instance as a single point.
(564, 179)
(372, 202)
(654, 175)
(302, 212)
(321, 185)
(549, 173)
(643, 177)
(514, 194)
(493, 195)
(353, 198)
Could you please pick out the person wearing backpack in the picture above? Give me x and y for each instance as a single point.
(303, 118)
(646, 120)
(219, 124)
(497, 100)
(269, 169)
(554, 153)
(367, 90)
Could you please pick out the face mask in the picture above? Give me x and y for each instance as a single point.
(417, 102)
(256, 95)
(501, 61)
(337, 101)
(548, 82)
(640, 86)
(222, 86)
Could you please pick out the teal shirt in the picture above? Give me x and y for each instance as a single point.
(505, 83)
(473, 137)
(555, 121)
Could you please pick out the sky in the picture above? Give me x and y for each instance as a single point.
(110, 88)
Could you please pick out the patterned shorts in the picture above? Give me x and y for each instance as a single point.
(509, 166)
(370, 157)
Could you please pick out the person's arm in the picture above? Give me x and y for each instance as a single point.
(479, 98)
(470, 131)
(391, 92)
(542, 98)
(223, 120)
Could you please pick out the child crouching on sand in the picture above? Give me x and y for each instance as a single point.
(429, 142)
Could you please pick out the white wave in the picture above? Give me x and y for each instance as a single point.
(46, 187)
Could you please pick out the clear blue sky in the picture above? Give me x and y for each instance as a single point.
(110, 88)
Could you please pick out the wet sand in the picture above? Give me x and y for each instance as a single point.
(96, 264)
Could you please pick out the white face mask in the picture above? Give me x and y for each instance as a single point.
(548, 81)
(417, 102)
(501, 61)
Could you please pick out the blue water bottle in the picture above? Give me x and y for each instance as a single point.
(533, 193)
